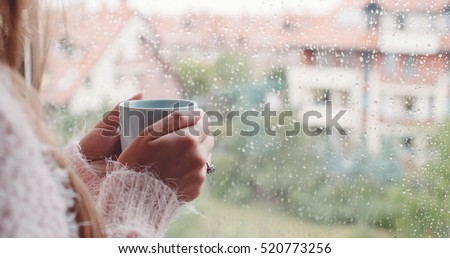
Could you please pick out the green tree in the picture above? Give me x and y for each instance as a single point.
(277, 79)
(197, 78)
(427, 206)
(233, 69)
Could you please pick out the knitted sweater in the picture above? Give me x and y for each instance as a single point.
(35, 203)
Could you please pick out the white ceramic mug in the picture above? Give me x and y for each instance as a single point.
(136, 115)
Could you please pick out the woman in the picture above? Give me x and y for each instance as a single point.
(96, 190)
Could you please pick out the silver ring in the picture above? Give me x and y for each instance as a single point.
(210, 168)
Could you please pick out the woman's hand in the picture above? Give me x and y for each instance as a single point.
(177, 148)
(180, 161)
(103, 141)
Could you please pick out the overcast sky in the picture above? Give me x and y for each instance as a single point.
(225, 7)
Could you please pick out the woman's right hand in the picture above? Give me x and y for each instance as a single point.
(176, 148)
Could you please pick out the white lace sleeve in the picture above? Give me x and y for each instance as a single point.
(136, 204)
(133, 204)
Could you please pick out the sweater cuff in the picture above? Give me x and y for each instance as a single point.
(136, 204)
(84, 169)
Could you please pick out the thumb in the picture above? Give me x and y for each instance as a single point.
(103, 139)
(110, 120)
(138, 96)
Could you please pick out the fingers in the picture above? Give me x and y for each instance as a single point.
(193, 138)
(176, 121)
(138, 96)
(208, 144)
(110, 121)
(179, 147)
(199, 131)
(204, 128)
(204, 151)
(103, 139)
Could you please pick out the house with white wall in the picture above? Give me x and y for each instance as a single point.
(103, 56)
(397, 77)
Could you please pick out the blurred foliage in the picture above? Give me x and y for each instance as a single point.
(233, 69)
(62, 121)
(220, 219)
(71, 126)
(197, 77)
(277, 79)
(307, 179)
(426, 208)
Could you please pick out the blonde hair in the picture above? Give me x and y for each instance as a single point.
(13, 32)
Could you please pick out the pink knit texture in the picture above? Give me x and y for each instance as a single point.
(35, 203)
(33, 200)
(133, 203)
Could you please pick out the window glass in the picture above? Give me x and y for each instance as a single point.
(358, 142)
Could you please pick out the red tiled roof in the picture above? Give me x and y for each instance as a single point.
(93, 32)
(413, 5)
(305, 30)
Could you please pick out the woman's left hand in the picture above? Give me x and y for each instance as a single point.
(103, 141)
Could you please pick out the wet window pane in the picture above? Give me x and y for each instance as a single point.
(341, 108)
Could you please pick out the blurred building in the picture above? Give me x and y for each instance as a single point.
(385, 62)
(104, 56)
